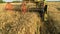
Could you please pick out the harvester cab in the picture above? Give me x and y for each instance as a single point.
(42, 6)
(39, 6)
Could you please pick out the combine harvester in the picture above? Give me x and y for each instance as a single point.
(39, 6)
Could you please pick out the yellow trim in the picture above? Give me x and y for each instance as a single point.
(45, 2)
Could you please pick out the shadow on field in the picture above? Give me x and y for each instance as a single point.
(49, 27)
(58, 9)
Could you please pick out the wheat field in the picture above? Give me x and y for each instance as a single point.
(14, 22)
(54, 14)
